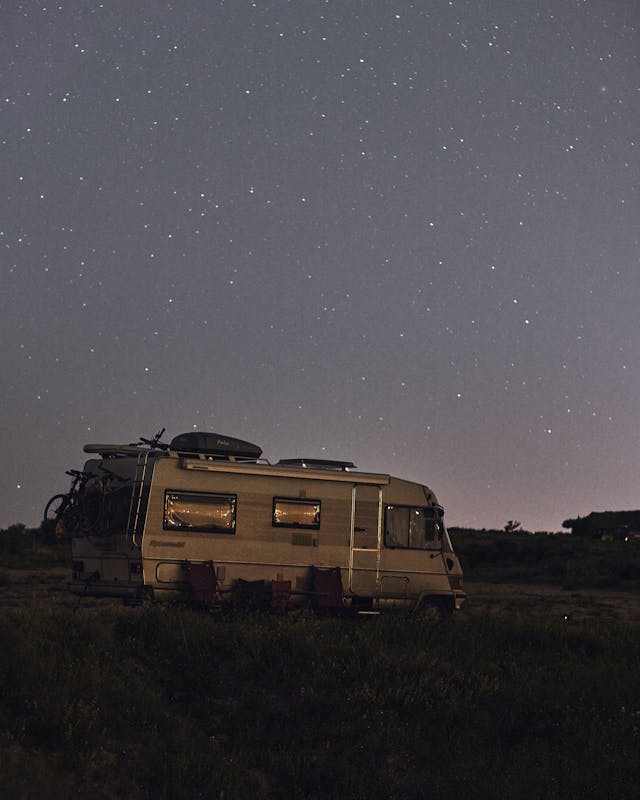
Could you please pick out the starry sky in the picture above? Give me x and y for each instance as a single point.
(400, 233)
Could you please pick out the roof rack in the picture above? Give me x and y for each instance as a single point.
(117, 450)
(316, 463)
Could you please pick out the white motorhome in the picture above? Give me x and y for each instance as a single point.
(142, 514)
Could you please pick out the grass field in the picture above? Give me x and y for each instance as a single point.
(508, 698)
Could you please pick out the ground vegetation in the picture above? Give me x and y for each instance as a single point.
(103, 700)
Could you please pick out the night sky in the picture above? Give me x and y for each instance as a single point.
(405, 234)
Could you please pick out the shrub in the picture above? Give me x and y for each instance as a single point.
(28, 548)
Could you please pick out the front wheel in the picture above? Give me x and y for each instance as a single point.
(54, 507)
(52, 513)
(436, 608)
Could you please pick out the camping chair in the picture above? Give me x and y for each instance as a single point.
(327, 584)
(280, 595)
(249, 595)
(203, 582)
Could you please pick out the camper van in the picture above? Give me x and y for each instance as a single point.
(141, 516)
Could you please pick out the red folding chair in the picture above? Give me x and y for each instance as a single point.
(280, 595)
(203, 582)
(327, 583)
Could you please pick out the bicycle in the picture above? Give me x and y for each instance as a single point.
(92, 506)
(79, 510)
(155, 443)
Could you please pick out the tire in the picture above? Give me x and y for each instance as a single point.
(53, 507)
(52, 515)
(61, 516)
(435, 608)
(91, 511)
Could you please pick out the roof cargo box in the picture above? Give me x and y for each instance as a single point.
(214, 444)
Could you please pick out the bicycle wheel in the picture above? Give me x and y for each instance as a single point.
(54, 507)
(91, 506)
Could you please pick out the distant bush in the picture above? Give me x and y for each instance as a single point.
(22, 547)
(569, 561)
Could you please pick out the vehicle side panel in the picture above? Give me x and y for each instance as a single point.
(257, 550)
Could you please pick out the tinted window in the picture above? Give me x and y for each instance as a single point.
(293, 513)
(210, 513)
(413, 527)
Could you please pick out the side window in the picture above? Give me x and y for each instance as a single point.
(412, 527)
(194, 511)
(396, 527)
(294, 513)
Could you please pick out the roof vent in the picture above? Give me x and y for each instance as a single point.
(316, 463)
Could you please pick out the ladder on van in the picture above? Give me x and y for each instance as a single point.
(365, 558)
(135, 521)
